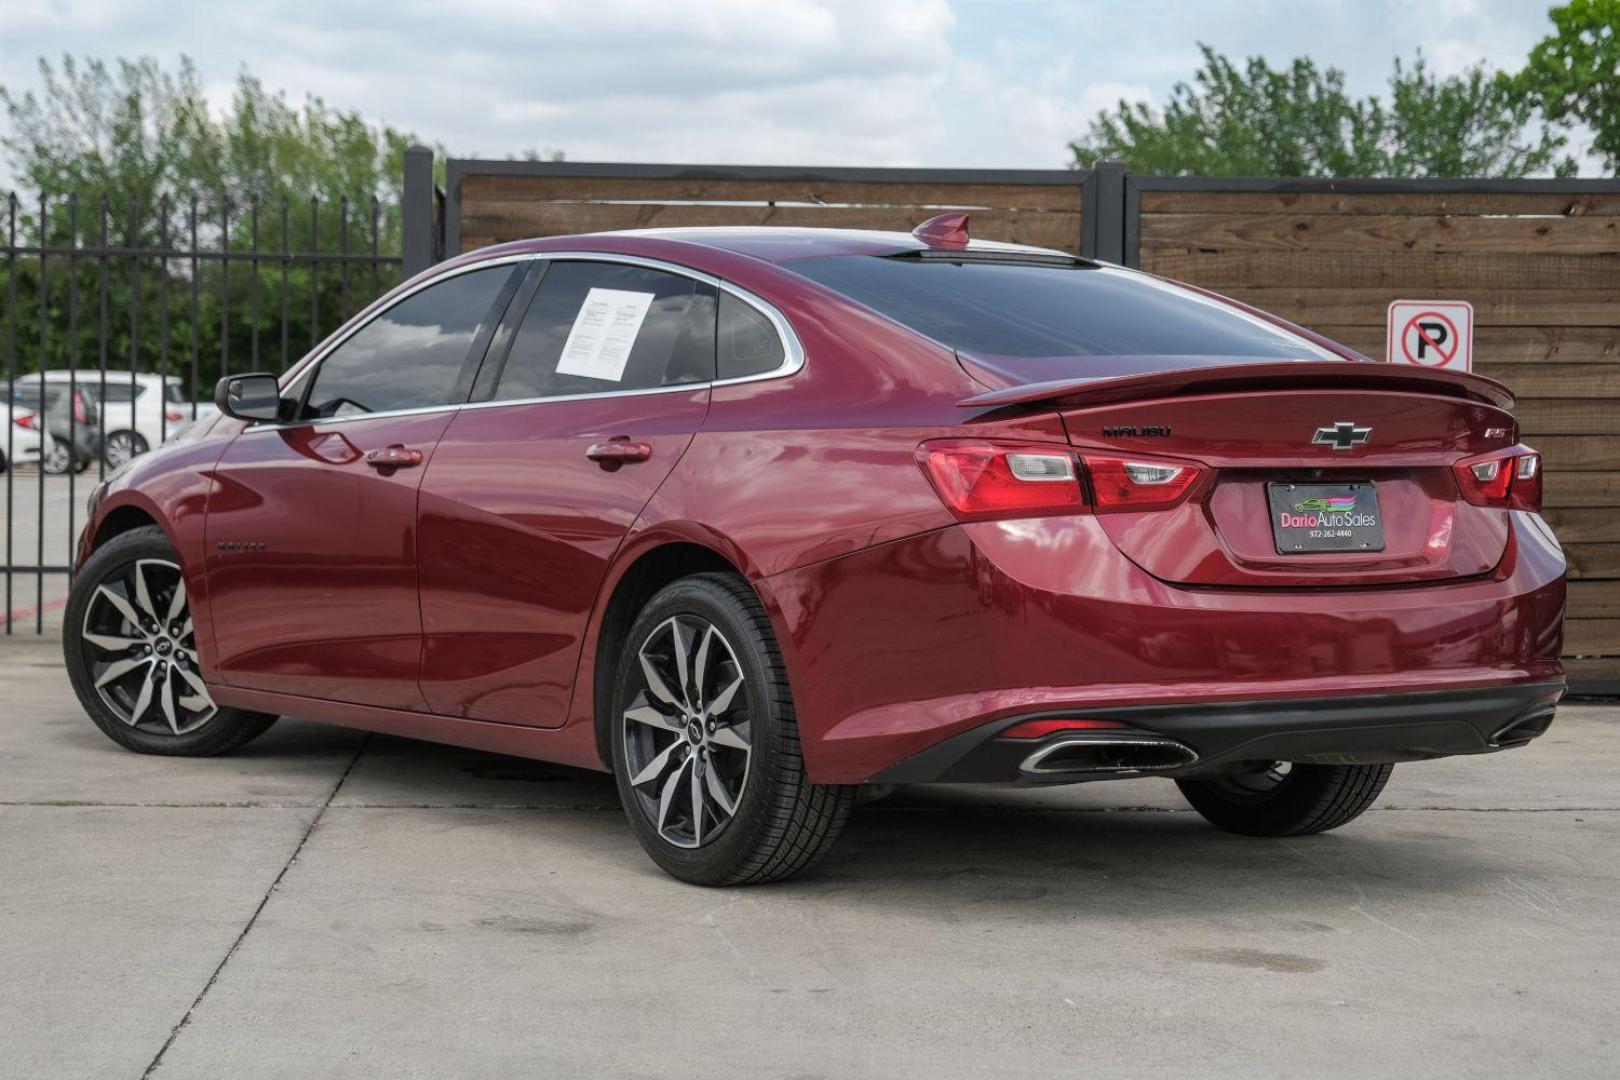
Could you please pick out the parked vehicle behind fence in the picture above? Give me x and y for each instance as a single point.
(56, 428)
(142, 410)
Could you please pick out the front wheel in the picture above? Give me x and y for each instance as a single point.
(1278, 798)
(131, 654)
(706, 746)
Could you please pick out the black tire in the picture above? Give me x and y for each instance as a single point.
(781, 824)
(1262, 801)
(218, 732)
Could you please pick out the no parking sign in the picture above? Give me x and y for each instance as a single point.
(1431, 333)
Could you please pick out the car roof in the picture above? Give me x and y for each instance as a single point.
(778, 244)
(774, 243)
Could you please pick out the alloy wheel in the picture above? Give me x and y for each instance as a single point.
(687, 736)
(140, 649)
(123, 447)
(57, 459)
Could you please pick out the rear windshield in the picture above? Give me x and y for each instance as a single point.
(1003, 309)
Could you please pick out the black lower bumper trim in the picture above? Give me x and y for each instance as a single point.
(1346, 730)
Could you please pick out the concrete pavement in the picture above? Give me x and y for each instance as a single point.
(335, 905)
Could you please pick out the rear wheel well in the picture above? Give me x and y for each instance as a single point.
(649, 573)
(122, 520)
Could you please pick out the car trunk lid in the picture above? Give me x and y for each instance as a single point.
(1279, 435)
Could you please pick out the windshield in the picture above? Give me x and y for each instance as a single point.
(1022, 310)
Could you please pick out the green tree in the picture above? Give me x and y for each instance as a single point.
(128, 156)
(134, 131)
(1473, 124)
(1300, 121)
(1574, 72)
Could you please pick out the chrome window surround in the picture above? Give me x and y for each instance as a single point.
(792, 350)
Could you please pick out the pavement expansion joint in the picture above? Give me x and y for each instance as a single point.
(174, 1033)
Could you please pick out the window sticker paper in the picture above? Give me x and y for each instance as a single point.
(603, 334)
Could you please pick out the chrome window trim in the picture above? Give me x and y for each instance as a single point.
(503, 402)
(792, 350)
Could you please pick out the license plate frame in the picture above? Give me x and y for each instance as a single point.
(1312, 519)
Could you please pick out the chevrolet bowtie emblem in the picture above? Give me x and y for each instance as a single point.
(1343, 435)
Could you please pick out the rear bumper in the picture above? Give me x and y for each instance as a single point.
(1363, 729)
(902, 646)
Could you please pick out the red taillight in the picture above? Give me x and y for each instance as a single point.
(1526, 492)
(1510, 479)
(1139, 483)
(981, 481)
(173, 416)
(26, 421)
(80, 414)
(1040, 729)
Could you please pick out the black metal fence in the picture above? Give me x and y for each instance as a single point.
(118, 320)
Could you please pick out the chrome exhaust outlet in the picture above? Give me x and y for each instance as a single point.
(1110, 754)
(1522, 730)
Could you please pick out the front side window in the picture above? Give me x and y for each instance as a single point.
(596, 327)
(411, 355)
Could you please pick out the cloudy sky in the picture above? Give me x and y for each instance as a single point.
(993, 83)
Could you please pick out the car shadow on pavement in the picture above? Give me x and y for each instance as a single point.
(1042, 854)
(1038, 855)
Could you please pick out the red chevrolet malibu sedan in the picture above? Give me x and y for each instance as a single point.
(756, 517)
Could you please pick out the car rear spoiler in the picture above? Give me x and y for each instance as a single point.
(1237, 378)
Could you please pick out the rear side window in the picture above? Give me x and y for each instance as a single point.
(1005, 309)
(598, 327)
(411, 355)
(749, 343)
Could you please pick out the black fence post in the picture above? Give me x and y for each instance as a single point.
(416, 210)
(1089, 216)
(1107, 209)
(1133, 222)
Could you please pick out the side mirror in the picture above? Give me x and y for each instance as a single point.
(249, 397)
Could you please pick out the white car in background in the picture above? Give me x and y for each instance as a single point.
(48, 426)
(24, 440)
(140, 411)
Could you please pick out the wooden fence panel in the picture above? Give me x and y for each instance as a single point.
(493, 207)
(1542, 269)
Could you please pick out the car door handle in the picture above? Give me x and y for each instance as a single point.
(618, 451)
(393, 457)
